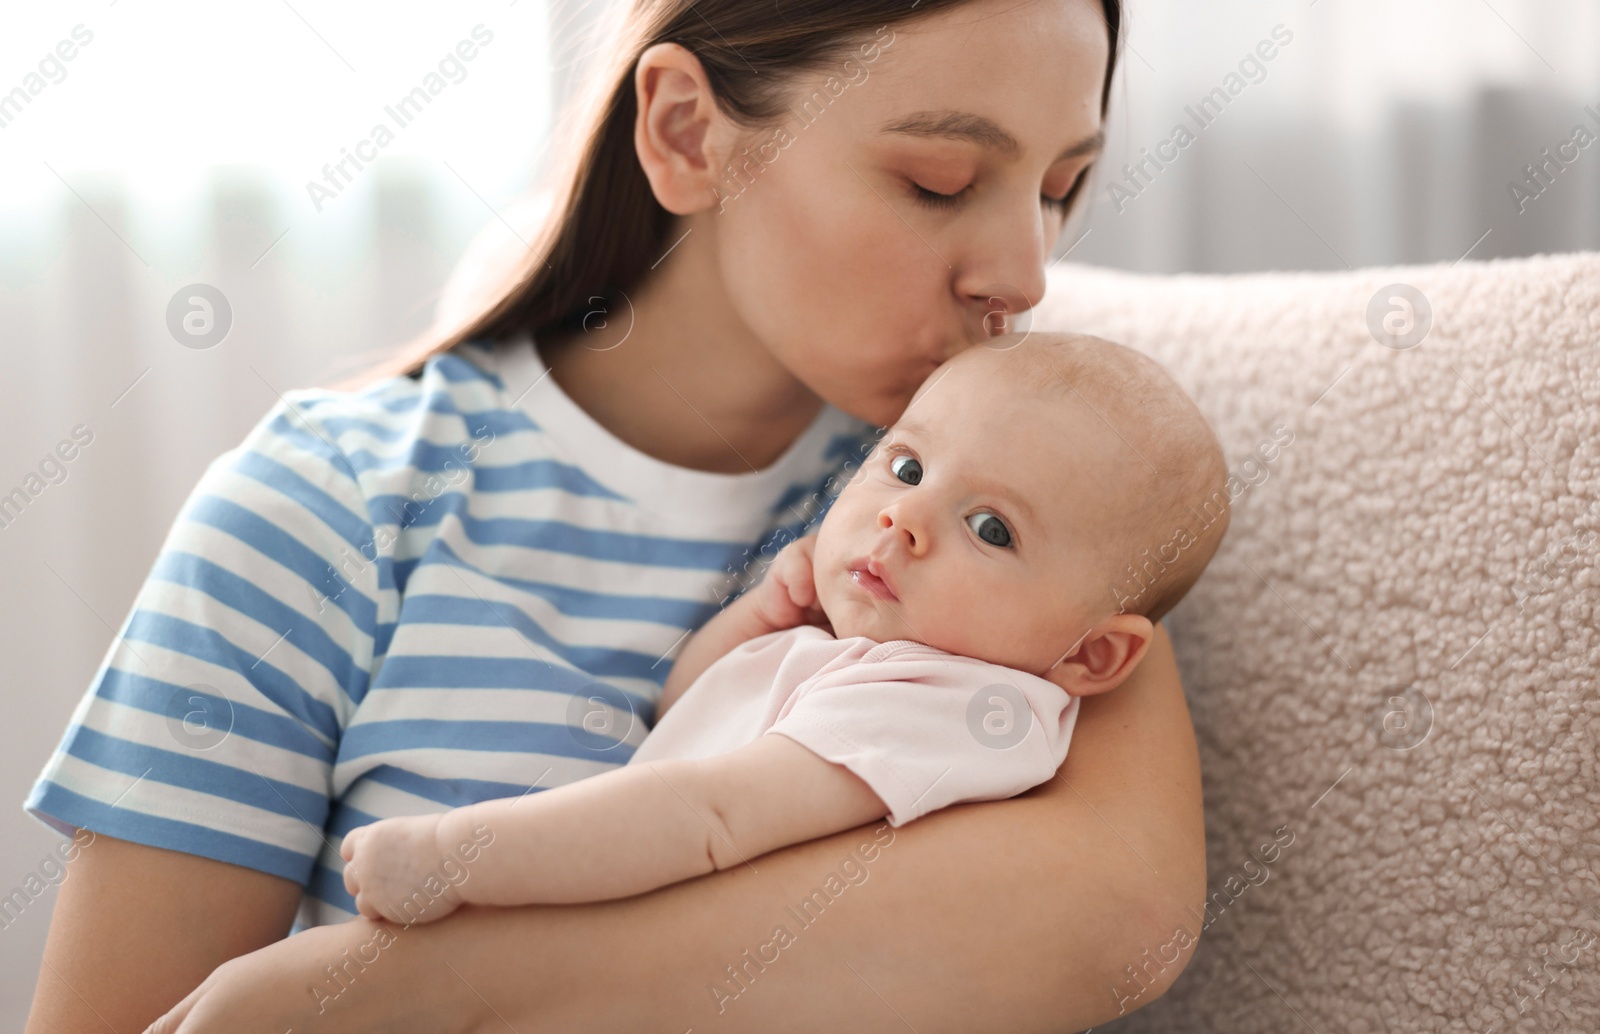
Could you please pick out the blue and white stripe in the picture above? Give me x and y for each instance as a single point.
(420, 595)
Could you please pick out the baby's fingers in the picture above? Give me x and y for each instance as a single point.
(368, 908)
(802, 587)
(793, 571)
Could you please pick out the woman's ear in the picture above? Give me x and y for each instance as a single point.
(1106, 655)
(679, 130)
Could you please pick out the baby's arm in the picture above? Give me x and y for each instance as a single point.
(785, 597)
(623, 832)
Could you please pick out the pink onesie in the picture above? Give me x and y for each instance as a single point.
(924, 728)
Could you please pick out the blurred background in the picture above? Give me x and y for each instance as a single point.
(177, 143)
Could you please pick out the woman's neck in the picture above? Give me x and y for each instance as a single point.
(676, 374)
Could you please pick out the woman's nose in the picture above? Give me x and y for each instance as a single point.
(1005, 275)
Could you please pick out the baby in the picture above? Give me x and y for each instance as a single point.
(1003, 552)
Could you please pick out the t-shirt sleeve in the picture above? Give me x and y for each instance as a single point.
(213, 720)
(926, 729)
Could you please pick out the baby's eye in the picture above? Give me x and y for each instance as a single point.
(990, 529)
(906, 469)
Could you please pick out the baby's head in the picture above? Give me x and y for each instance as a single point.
(1044, 497)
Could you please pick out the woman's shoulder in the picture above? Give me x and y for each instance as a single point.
(326, 474)
(385, 432)
(452, 389)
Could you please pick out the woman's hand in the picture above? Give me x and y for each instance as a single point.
(393, 866)
(354, 977)
(787, 595)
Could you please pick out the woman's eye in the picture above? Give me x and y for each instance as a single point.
(1061, 205)
(934, 199)
(990, 529)
(906, 469)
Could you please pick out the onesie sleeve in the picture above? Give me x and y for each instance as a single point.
(211, 724)
(926, 729)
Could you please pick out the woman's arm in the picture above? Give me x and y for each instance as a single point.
(1040, 903)
(136, 928)
(582, 841)
(1019, 915)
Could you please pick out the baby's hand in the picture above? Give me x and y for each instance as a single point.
(787, 596)
(392, 868)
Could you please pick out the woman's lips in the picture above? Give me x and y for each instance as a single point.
(868, 574)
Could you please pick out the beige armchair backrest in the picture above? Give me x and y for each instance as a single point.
(1393, 662)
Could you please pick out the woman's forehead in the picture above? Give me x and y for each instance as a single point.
(1007, 78)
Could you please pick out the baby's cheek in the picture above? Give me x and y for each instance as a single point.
(828, 597)
(825, 567)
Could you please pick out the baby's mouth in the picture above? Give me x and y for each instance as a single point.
(863, 574)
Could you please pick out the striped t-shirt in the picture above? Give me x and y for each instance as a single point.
(403, 599)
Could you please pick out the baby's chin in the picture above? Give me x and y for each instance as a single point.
(861, 618)
(875, 621)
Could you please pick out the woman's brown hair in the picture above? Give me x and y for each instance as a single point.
(603, 225)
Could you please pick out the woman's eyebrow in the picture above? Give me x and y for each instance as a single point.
(981, 130)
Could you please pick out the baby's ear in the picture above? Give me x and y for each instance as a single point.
(1106, 656)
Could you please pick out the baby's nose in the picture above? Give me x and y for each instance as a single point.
(902, 526)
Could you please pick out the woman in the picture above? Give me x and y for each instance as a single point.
(465, 583)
